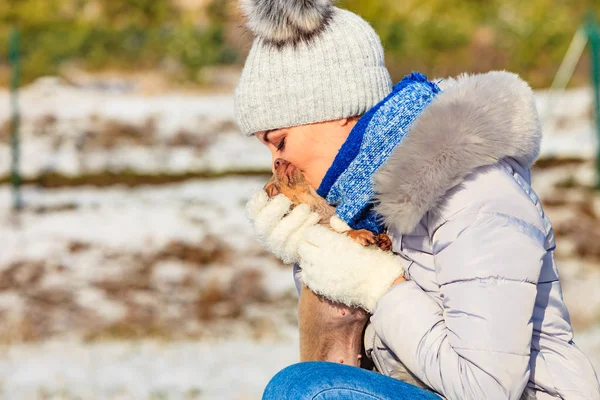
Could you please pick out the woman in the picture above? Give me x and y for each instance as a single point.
(478, 312)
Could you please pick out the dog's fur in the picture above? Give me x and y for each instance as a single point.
(289, 181)
(287, 22)
(328, 331)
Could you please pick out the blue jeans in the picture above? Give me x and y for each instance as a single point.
(331, 381)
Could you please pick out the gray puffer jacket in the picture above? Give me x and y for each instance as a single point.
(482, 314)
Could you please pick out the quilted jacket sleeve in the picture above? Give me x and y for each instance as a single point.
(477, 345)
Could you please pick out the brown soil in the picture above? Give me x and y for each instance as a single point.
(555, 162)
(126, 178)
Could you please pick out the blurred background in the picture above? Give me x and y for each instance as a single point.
(127, 268)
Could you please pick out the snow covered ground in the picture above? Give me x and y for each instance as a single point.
(161, 292)
(174, 261)
(72, 131)
(134, 370)
(567, 123)
(174, 266)
(143, 293)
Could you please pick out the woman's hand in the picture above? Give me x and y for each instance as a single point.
(278, 227)
(333, 264)
(336, 267)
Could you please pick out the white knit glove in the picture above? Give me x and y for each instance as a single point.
(336, 267)
(277, 228)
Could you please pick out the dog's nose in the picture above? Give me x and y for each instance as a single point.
(277, 163)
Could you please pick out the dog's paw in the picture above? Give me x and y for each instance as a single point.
(384, 242)
(363, 237)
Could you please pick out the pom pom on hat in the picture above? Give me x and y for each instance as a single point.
(283, 22)
(295, 73)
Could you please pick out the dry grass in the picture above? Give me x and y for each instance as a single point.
(128, 178)
(5, 132)
(177, 308)
(557, 162)
(185, 138)
(584, 233)
(577, 222)
(213, 250)
(217, 302)
(111, 134)
(21, 276)
(45, 125)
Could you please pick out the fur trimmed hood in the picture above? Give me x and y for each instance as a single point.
(477, 120)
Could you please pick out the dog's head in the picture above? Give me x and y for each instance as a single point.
(289, 181)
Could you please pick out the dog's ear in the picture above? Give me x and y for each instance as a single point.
(272, 189)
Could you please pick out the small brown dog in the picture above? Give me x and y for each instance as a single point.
(328, 331)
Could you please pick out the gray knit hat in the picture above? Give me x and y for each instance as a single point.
(310, 62)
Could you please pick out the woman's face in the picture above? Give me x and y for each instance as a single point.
(311, 148)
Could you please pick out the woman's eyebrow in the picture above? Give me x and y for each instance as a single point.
(266, 135)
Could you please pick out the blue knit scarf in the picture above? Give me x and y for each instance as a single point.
(347, 184)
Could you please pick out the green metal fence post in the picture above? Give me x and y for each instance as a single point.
(14, 57)
(593, 32)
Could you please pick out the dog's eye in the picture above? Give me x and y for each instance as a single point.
(272, 190)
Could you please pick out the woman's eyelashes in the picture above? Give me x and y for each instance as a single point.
(281, 144)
